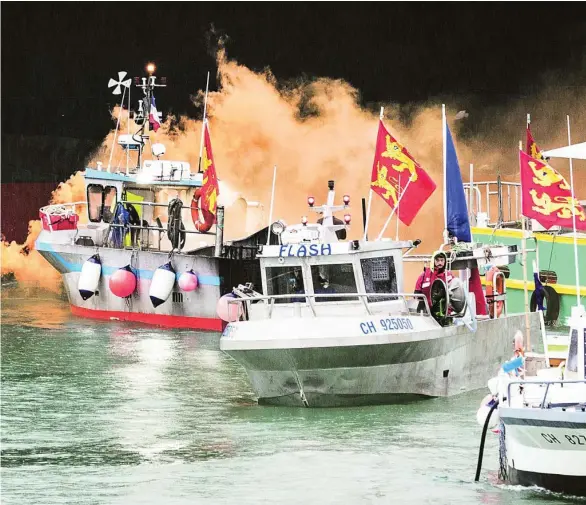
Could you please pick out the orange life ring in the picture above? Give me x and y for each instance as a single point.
(203, 219)
(494, 287)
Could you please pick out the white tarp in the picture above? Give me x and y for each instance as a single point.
(575, 151)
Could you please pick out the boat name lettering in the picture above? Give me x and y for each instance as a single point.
(228, 331)
(572, 439)
(387, 324)
(299, 250)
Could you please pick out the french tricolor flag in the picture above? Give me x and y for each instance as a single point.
(154, 116)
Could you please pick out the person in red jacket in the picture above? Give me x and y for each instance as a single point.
(425, 280)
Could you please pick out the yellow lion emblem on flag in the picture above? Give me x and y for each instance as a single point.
(560, 204)
(383, 183)
(394, 151)
(546, 176)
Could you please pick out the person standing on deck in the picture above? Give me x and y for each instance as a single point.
(428, 276)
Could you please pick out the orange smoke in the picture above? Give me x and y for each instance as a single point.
(27, 265)
(317, 130)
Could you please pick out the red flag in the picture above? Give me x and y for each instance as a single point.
(546, 195)
(210, 189)
(392, 169)
(531, 148)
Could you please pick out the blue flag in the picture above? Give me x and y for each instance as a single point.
(456, 210)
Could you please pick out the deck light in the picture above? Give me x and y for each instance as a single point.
(279, 227)
(150, 68)
(310, 201)
(346, 199)
(304, 220)
(347, 218)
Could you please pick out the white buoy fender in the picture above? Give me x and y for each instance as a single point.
(162, 284)
(89, 278)
(485, 406)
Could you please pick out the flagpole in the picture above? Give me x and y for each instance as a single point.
(400, 196)
(382, 110)
(445, 173)
(272, 203)
(128, 150)
(524, 257)
(574, 220)
(203, 122)
(394, 209)
(117, 125)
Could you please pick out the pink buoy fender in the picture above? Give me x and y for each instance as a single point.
(123, 282)
(228, 312)
(188, 281)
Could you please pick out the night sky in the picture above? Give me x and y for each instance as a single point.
(57, 57)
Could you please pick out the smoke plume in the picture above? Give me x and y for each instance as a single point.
(317, 130)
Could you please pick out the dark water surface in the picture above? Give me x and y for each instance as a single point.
(113, 413)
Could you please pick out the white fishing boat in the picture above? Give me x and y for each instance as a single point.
(335, 325)
(541, 418)
(152, 249)
(540, 408)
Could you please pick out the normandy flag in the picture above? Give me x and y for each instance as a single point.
(210, 188)
(546, 195)
(531, 148)
(396, 175)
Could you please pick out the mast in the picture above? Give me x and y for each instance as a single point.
(574, 221)
(147, 85)
(445, 165)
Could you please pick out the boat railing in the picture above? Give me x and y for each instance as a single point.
(310, 300)
(481, 196)
(57, 208)
(547, 384)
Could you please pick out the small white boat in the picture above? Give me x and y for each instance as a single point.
(335, 326)
(542, 426)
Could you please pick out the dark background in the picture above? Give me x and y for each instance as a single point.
(57, 59)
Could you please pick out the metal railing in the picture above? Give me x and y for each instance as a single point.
(310, 301)
(508, 213)
(547, 384)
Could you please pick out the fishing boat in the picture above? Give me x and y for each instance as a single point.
(334, 325)
(495, 213)
(540, 416)
(152, 249)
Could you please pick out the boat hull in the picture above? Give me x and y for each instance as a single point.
(554, 253)
(330, 371)
(545, 448)
(195, 309)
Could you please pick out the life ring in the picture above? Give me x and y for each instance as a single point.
(551, 302)
(494, 287)
(203, 219)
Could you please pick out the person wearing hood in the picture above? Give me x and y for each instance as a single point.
(438, 262)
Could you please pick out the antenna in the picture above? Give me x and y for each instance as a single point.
(119, 83)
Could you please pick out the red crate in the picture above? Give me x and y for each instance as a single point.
(59, 222)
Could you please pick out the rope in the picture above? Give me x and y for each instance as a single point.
(483, 438)
(503, 465)
(175, 228)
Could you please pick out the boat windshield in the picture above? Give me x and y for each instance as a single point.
(333, 278)
(287, 280)
(379, 277)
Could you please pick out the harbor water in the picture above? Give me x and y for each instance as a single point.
(115, 413)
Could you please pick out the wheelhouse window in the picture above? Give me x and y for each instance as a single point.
(110, 200)
(285, 281)
(94, 202)
(379, 277)
(335, 279)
